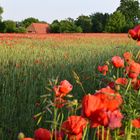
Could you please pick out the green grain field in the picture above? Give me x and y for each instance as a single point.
(28, 63)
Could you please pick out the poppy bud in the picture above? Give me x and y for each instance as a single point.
(117, 87)
(21, 136)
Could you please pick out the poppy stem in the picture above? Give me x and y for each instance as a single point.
(55, 121)
(129, 84)
(138, 54)
(98, 133)
(85, 132)
(116, 135)
(108, 133)
(130, 132)
(83, 89)
(117, 72)
(103, 132)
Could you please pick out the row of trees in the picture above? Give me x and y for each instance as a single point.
(10, 26)
(93, 23)
(126, 16)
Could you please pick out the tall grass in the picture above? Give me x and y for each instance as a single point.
(26, 65)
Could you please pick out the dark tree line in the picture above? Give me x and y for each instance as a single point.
(126, 16)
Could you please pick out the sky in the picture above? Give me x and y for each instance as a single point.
(49, 10)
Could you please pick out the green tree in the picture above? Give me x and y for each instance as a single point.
(68, 26)
(1, 11)
(26, 22)
(55, 26)
(65, 26)
(116, 22)
(85, 23)
(20, 28)
(10, 26)
(131, 10)
(2, 27)
(99, 21)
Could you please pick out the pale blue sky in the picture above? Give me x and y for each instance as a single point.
(49, 10)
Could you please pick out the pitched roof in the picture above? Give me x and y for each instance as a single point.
(38, 28)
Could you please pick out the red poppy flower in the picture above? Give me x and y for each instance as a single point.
(138, 34)
(127, 56)
(42, 134)
(95, 107)
(136, 84)
(74, 125)
(111, 85)
(133, 34)
(133, 75)
(121, 81)
(126, 69)
(117, 61)
(137, 28)
(106, 118)
(115, 119)
(59, 102)
(138, 41)
(109, 98)
(134, 70)
(90, 103)
(63, 89)
(75, 137)
(136, 123)
(103, 69)
(99, 118)
(134, 67)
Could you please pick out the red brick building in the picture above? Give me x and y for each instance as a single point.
(39, 28)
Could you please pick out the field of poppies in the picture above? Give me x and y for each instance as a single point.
(69, 86)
